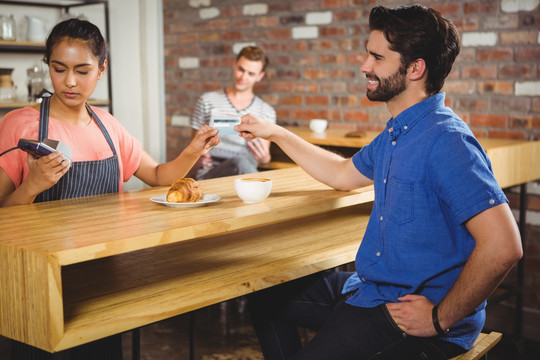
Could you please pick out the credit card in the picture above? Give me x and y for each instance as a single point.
(224, 124)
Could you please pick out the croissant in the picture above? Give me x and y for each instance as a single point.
(184, 190)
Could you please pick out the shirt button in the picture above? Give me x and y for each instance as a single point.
(394, 143)
(378, 253)
(405, 127)
(363, 278)
(384, 181)
(491, 201)
(381, 218)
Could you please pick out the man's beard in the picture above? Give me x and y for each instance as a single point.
(389, 87)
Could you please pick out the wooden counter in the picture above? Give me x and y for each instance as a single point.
(74, 271)
(514, 161)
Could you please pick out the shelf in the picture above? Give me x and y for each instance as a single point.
(20, 104)
(22, 46)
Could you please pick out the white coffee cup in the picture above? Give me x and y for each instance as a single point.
(318, 125)
(253, 189)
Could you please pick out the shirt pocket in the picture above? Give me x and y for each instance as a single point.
(400, 200)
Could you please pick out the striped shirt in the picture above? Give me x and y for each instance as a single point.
(231, 145)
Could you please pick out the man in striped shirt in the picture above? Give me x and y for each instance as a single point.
(234, 155)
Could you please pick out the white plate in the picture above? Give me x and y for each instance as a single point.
(206, 199)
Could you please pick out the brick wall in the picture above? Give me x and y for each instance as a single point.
(316, 48)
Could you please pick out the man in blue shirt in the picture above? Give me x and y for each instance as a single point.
(441, 236)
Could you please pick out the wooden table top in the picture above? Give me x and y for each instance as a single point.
(73, 271)
(514, 162)
(88, 228)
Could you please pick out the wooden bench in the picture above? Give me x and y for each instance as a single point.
(482, 345)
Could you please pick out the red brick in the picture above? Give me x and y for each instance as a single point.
(527, 53)
(491, 120)
(317, 100)
(297, 46)
(484, 8)
(321, 45)
(348, 15)
(304, 60)
(355, 116)
(536, 104)
(466, 23)
(518, 71)
(305, 87)
(325, 59)
(459, 87)
(519, 37)
(356, 58)
(520, 122)
(209, 37)
(218, 24)
(473, 104)
(241, 23)
(187, 38)
(483, 71)
(520, 104)
(331, 31)
(281, 86)
(332, 4)
(348, 101)
(290, 100)
(333, 87)
(279, 34)
(446, 9)
(231, 35)
(495, 87)
(304, 5)
(315, 74)
(267, 21)
(343, 74)
(496, 54)
(305, 114)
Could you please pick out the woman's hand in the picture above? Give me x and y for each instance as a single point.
(203, 140)
(45, 171)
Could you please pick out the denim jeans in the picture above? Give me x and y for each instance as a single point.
(343, 331)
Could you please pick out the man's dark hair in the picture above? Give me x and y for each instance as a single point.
(419, 32)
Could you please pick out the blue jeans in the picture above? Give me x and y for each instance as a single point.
(343, 331)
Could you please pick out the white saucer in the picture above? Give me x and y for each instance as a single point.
(206, 199)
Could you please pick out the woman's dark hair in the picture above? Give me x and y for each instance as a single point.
(418, 32)
(77, 29)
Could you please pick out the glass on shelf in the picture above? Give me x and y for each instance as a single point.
(8, 28)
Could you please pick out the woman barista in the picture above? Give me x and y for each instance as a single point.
(104, 154)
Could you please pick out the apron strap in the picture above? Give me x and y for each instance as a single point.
(103, 130)
(44, 115)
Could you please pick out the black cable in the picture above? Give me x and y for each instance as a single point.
(5, 152)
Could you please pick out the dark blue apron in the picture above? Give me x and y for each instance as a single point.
(84, 178)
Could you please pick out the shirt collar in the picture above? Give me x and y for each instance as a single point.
(411, 116)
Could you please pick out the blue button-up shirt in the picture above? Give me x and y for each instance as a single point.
(430, 176)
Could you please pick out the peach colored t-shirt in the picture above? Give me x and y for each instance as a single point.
(87, 143)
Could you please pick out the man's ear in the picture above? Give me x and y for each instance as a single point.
(417, 69)
(261, 76)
